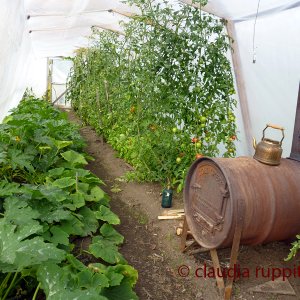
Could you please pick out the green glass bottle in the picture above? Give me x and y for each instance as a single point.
(166, 200)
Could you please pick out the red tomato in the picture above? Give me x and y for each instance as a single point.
(198, 155)
(194, 140)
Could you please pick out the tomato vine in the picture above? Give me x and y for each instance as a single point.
(167, 81)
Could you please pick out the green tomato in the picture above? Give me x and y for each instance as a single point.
(231, 91)
(202, 125)
(232, 118)
(203, 119)
(174, 130)
(207, 139)
(198, 145)
(178, 160)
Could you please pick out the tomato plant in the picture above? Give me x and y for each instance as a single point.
(168, 80)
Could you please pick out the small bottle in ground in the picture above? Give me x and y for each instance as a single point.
(166, 200)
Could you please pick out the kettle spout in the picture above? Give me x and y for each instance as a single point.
(254, 143)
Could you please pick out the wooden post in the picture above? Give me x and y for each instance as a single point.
(295, 151)
(240, 82)
(216, 263)
(59, 97)
(184, 235)
(49, 79)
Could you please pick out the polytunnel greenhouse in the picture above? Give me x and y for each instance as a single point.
(149, 149)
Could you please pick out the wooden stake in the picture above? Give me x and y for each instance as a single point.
(170, 217)
(216, 263)
(174, 211)
(240, 82)
(184, 235)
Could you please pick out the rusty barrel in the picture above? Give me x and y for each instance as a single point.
(219, 190)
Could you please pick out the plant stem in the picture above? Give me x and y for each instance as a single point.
(36, 291)
(4, 283)
(76, 182)
(10, 286)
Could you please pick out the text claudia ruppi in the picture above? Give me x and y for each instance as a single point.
(237, 271)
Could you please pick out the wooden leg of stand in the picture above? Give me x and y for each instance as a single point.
(235, 247)
(216, 263)
(233, 260)
(184, 235)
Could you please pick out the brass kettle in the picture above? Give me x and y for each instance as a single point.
(268, 151)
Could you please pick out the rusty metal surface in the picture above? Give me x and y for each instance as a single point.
(270, 196)
(295, 152)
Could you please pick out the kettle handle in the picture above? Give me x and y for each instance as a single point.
(274, 127)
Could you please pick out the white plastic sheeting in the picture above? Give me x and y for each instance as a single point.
(57, 28)
(272, 82)
(15, 54)
(247, 9)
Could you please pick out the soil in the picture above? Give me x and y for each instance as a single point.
(152, 246)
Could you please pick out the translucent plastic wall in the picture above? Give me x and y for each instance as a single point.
(272, 82)
(15, 54)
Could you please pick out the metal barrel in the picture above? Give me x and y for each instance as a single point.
(217, 190)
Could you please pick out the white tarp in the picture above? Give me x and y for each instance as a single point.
(246, 9)
(15, 54)
(272, 82)
(57, 28)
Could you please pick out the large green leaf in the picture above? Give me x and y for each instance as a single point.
(111, 234)
(59, 236)
(130, 274)
(64, 182)
(55, 282)
(8, 189)
(18, 250)
(89, 221)
(54, 193)
(115, 278)
(56, 172)
(105, 214)
(106, 250)
(73, 226)
(62, 144)
(120, 292)
(18, 159)
(52, 214)
(77, 199)
(18, 211)
(74, 158)
(96, 194)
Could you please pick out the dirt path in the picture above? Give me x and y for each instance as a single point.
(152, 247)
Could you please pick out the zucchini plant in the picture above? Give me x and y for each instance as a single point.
(47, 201)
